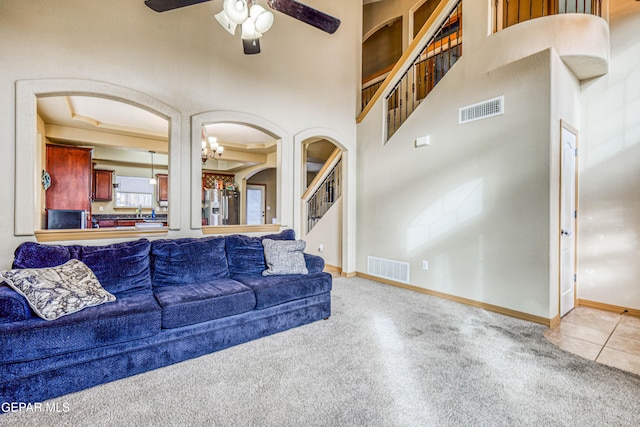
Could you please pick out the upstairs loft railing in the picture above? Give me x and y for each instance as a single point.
(371, 84)
(325, 195)
(437, 57)
(511, 12)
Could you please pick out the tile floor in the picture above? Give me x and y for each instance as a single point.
(609, 338)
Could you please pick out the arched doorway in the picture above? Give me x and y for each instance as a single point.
(333, 237)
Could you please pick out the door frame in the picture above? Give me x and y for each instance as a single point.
(263, 189)
(566, 126)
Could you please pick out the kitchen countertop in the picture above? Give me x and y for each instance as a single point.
(103, 217)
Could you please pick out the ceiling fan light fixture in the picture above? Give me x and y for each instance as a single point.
(226, 23)
(249, 30)
(236, 10)
(262, 18)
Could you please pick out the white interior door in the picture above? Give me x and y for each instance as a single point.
(255, 204)
(568, 220)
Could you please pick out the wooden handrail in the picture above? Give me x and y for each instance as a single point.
(321, 173)
(407, 56)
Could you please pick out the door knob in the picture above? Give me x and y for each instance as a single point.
(567, 233)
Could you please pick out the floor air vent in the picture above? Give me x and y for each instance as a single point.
(388, 269)
(482, 110)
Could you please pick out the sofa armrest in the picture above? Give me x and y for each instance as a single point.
(13, 306)
(315, 264)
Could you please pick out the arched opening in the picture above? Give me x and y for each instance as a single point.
(316, 153)
(123, 180)
(381, 49)
(252, 155)
(421, 14)
(232, 155)
(29, 152)
(332, 237)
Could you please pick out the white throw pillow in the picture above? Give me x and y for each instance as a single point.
(57, 291)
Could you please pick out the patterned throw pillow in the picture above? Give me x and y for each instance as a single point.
(284, 257)
(58, 291)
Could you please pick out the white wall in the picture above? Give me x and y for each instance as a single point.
(328, 234)
(481, 203)
(303, 78)
(609, 162)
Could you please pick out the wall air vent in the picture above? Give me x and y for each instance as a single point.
(388, 269)
(481, 110)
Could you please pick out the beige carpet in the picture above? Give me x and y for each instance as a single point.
(386, 357)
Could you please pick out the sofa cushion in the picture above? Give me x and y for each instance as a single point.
(37, 255)
(274, 290)
(13, 306)
(315, 264)
(187, 261)
(245, 254)
(132, 316)
(54, 292)
(188, 304)
(284, 257)
(119, 267)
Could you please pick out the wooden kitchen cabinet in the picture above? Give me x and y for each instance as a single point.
(163, 187)
(70, 171)
(102, 185)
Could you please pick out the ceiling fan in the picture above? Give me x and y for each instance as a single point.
(253, 18)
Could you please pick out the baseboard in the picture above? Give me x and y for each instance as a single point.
(337, 271)
(333, 269)
(608, 307)
(555, 322)
(466, 301)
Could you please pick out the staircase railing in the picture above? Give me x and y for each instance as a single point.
(325, 195)
(429, 66)
(369, 90)
(371, 84)
(511, 12)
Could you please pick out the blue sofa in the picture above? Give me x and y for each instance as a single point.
(176, 299)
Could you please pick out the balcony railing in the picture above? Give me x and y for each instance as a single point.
(511, 12)
(437, 57)
(325, 196)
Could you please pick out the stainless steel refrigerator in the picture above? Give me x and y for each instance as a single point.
(221, 207)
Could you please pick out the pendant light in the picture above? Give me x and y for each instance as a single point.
(152, 180)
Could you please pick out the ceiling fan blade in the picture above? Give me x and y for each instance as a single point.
(251, 46)
(164, 5)
(306, 14)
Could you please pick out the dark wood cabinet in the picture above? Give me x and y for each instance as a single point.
(70, 171)
(107, 223)
(216, 180)
(102, 185)
(163, 187)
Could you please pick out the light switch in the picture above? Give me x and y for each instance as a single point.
(423, 141)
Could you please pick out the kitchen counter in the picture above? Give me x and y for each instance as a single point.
(124, 220)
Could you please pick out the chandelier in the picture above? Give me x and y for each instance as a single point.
(210, 147)
(254, 19)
